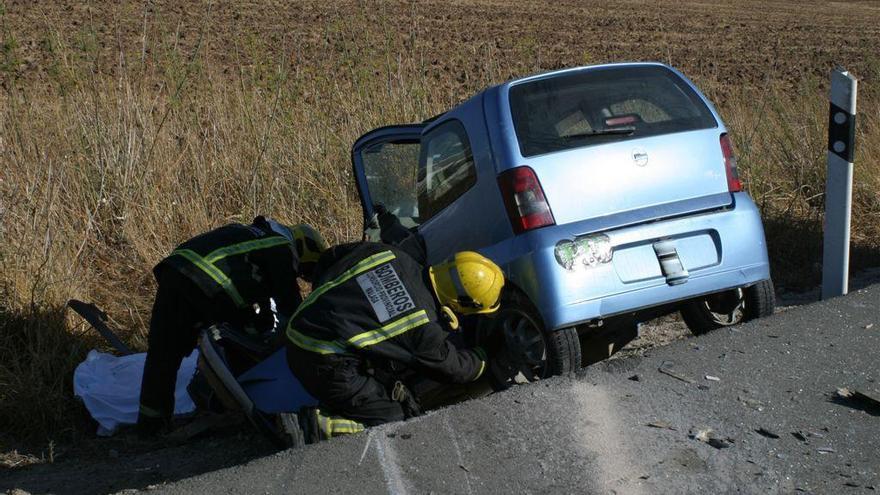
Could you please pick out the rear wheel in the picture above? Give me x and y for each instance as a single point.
(529, 352)
(724, 309)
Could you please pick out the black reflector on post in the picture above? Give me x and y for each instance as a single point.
(841, 132)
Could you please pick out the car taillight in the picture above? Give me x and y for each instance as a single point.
(733, 182)
(526, 205)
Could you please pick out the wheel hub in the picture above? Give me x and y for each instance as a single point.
(524, 343)
(726, 308)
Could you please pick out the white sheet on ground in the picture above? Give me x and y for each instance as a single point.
(110, 388)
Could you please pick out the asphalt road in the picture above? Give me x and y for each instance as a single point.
(593, 433)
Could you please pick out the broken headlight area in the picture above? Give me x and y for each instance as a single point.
(587, 252)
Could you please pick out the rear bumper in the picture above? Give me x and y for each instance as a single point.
(646, 297)
(721, 249)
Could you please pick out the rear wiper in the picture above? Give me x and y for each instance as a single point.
(602, 132)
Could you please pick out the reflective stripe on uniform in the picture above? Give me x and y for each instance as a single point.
(212, 271)
(245, 247)
(330, 346)
(206, 263)
(331, 427)
(481, 353)
(361, 340)
(314, 345)
(480, 373)
(338, 426)
(393, 329)
(362, 266)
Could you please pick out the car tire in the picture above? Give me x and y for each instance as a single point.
(529, 352)
(728, 308)
(760, 300)
(564, 351)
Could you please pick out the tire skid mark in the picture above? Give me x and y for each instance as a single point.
(603, 439)
(390, 468)
(366, 447)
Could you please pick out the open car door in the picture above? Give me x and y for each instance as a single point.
(386, 162)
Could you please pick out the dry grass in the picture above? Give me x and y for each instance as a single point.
(781, 135)
(115, 152)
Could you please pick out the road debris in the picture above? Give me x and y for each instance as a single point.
(869, 326)
(868, 402)
(766, 433)
(719, 443)
(706, 436)
(713, 378)
(663, 425)
(667, 369)
(752, 403)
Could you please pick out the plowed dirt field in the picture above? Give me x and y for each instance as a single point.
(731, 42)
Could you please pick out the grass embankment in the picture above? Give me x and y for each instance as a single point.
(103, 172)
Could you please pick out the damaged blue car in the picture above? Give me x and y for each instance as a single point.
(608, 194)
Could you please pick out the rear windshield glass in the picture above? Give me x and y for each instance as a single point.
(602, 105)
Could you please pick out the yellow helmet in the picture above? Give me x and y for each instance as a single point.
(308, 242)
(469, 284)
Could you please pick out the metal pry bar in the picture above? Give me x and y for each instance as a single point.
(97, 319)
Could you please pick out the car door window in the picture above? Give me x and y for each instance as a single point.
(446, 168)
(391, 171)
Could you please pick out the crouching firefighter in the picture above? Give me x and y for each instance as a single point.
(375, 312)
(242, 275)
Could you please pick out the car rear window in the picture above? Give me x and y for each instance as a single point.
(601, 105)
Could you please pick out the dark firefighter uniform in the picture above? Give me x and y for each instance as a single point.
(372, 308)
(226, 275)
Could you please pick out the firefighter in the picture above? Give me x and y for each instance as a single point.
(241, 275)
(376, 312)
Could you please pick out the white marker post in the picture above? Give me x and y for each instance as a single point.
(838, 185)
